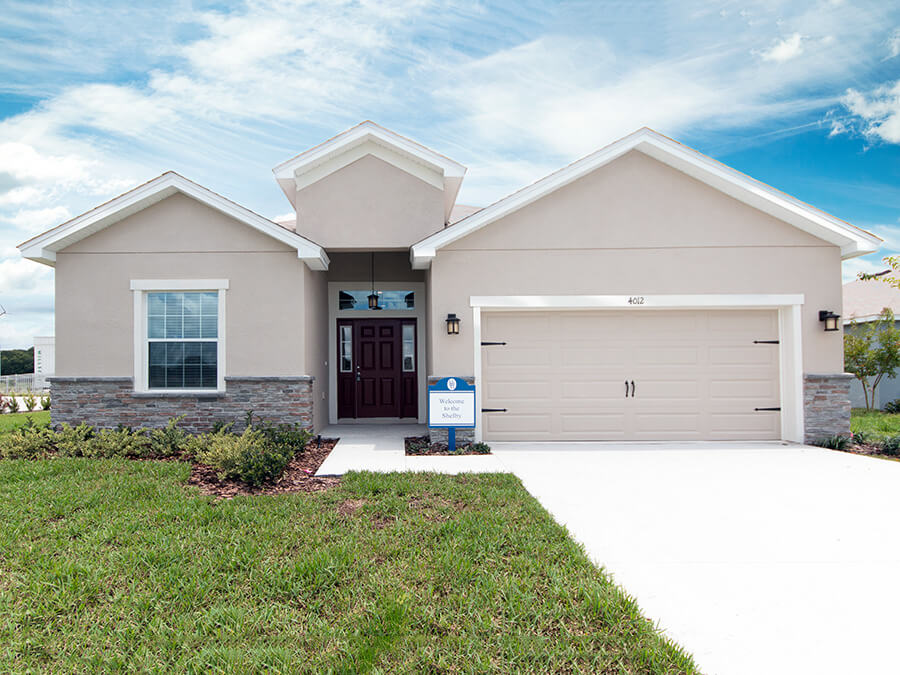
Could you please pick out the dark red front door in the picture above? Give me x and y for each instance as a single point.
(377, 368)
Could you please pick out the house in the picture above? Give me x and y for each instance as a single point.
(863, 303)
(644, 292)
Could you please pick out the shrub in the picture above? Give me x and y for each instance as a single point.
(28, 442)
(13, 404)
(117, 443)
(480, 448)
(248, 457)
(74, 441)
(30, 402)
(833, 442)
(170, 441)
(290, 438)
(860, 438)
(45, 402)
(891, 446)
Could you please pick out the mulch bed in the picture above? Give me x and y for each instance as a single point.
(869, 450)
(299, 476)
(421, 445)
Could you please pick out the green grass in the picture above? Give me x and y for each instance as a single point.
(116, 565)
(11, 421)
(874, 423)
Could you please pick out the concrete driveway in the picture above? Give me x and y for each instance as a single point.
(756, 557)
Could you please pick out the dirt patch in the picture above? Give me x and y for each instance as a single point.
(299, 476)
(351, 506)
(422, 445)
(869, 450)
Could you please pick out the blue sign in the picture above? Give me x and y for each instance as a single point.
(451, 406)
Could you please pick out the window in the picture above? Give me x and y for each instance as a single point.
(179, 341)
(346, 349)
(409, 348)
(388, 300)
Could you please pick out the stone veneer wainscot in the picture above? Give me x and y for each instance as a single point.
(826, 405)
(108, 402)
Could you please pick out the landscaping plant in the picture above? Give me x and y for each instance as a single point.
(13, 404)
(30, 402)
(833, 442)
(891, 446)
(249, 457)
(171, 440)
(872, 353)
(45, 402)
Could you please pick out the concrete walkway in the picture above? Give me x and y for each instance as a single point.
(756, 557)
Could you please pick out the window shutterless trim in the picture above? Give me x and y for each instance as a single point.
(140, 288)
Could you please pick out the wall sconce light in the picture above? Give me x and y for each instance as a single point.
(452, 324)
(830, 320)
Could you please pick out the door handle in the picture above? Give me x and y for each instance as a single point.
(357, 374)
(632, 389)
(626, 388)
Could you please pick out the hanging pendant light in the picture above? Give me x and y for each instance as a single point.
(373, 297)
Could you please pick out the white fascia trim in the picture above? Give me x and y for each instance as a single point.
(852, 240)
(359, 134)
(636, 302)
(868, 318)
(179, 284)
(44, 247)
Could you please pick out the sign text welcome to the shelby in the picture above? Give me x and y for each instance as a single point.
(451, 404)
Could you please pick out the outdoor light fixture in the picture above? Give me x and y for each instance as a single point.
(373, 297)
(452, 324)
(830, 319)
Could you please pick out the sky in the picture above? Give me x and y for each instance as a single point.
(97, 97)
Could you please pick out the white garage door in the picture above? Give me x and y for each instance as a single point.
(637, 375)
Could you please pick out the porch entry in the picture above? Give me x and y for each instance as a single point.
(377, 368)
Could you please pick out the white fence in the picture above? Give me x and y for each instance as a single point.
(30, 383)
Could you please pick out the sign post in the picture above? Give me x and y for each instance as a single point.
(451, 406)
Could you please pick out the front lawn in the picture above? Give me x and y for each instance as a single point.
(112, 564)
(874, 423)
(11, 421)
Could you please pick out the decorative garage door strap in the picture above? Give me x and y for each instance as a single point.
(489, 344)
(766, 342)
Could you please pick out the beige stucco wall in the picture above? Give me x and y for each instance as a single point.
(635, 227)
(316, 341)
(369, 204)
(179, 238)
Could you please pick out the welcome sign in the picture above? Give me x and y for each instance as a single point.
(451, 404)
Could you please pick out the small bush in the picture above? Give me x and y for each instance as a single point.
(248, 457)
(833, 442)
(891, 446)
(13, 404)
(860, 438)
(892, 407)
(291, 438)
(28, 442)
(117, 443)
(74, 441)
(480, 448)
(30, 402)
(170, 441)
(45, 402)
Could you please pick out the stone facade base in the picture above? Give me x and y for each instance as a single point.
(107, 402)
(826, 405)
(463, 436)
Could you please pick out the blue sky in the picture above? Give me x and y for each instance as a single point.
(96, 97)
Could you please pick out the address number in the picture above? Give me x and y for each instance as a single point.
(636, 300)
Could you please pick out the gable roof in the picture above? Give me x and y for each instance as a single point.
(852, 240)
(43, 248)
(394, 148)
(865, 300)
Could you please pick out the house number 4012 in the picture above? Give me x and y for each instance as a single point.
(636, 300)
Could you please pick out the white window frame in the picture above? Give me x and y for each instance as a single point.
(140, 289)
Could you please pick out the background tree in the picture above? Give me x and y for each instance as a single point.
(872, 353)
(17, 361)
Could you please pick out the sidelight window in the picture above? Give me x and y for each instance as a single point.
(409, 348)
(346, 349)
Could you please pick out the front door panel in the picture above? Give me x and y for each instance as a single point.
(377, 381)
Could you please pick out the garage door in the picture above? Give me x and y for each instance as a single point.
(638, 375)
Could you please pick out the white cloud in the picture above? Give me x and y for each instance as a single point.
(877, 112)
(869, 264)
(35, 221)
(894, 44)
(785, 50)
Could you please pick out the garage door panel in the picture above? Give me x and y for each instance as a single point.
(697, 375)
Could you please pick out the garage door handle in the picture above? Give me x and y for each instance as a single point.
(766, 409)
(632, 389)
(626, 388)
(493, 410)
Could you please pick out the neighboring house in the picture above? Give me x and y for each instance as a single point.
(644, 292)
(44, 355)
(863, 303)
